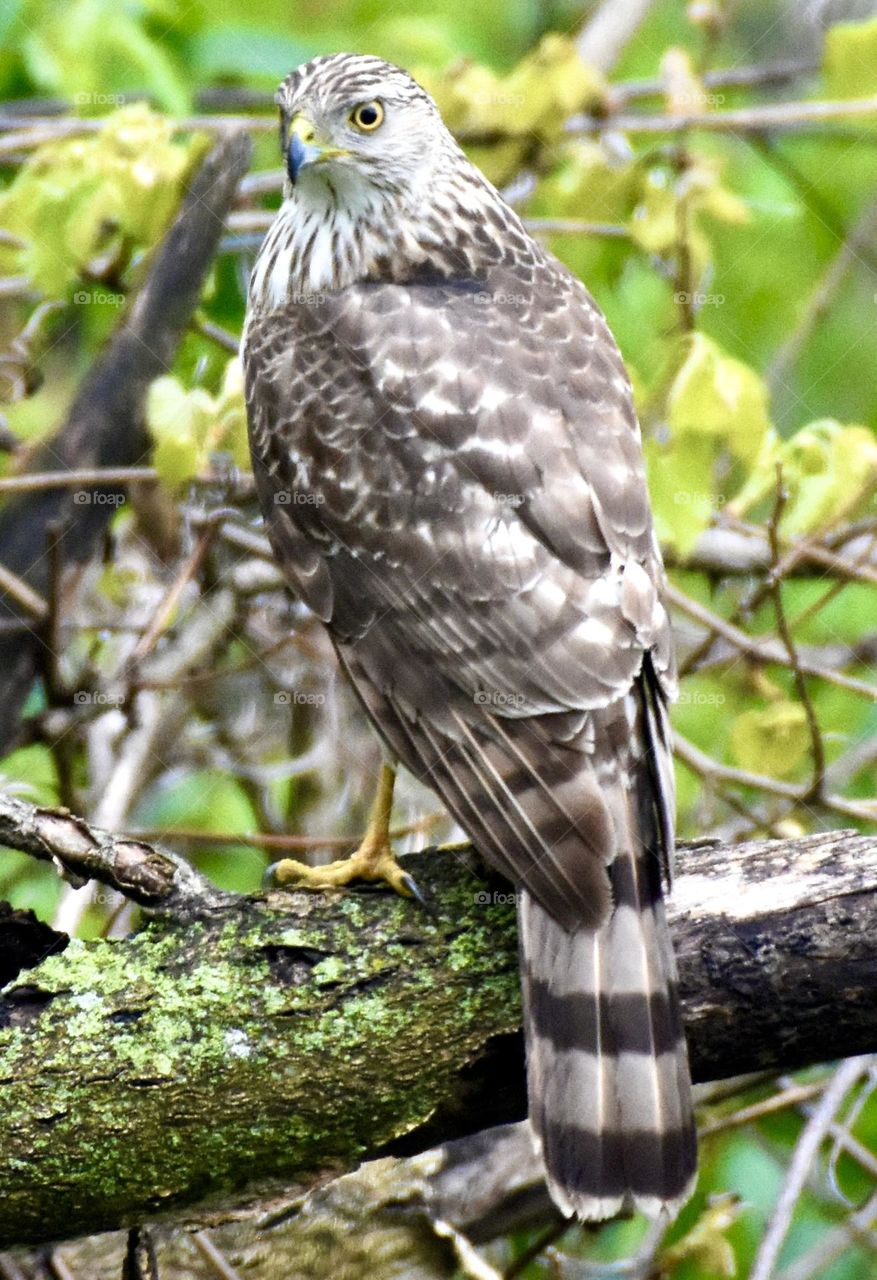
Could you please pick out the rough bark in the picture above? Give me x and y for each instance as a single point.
(280, 1040)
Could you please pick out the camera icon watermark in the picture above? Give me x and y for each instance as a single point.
(295, 698)
(99, 99)
(682, 297)
(498, 698)
(497, 898)
(97, 698)
(97, 297)
(700, 698)
(97, 498)
(290, 498)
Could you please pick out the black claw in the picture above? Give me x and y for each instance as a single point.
(414, 889)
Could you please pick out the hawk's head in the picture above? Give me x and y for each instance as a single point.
(351, 123)
(376, 187)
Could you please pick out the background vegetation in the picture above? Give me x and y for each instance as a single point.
(714, 186)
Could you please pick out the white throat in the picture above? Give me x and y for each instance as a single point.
(325, 236)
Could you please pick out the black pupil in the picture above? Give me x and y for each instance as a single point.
(368, 116)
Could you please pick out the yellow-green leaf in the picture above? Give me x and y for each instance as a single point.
(680, 481)
(716, 395)
(178, 421)
(850, 62)
(772, 740)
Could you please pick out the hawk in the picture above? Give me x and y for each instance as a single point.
(450, 469)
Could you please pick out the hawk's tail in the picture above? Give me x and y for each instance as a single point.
(610, 1098)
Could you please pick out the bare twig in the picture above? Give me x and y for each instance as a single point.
(609, 29)
(790, 1096)
(80, 477)
(816, 1261)
(819, 304)
(758, 649)
(752, 77)
(817, 749)
(217, 1259)
(266, 840)
(31, 601)
(713, 771)
(803, 1158)
(781, 115)
(166, 611)
(215, 332)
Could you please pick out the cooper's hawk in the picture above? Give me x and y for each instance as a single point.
(449, 464)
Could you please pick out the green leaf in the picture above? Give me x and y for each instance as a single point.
(178, 421)
(89, 50)
(713, 394)
(773, 740)
(828, 470)
(187, 426)
(681, 486)
(80, 197)
(850, 61)
(832, 470)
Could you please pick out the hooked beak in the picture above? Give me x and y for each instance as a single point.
(302, 147)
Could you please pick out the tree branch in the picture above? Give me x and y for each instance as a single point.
(275, 1041)
(105, 426)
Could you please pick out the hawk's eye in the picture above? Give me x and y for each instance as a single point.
(367, 117)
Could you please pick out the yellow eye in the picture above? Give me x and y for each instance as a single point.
(367, 117)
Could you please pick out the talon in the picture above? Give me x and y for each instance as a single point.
(412, 888)
(268, 877)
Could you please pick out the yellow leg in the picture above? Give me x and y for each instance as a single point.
(373, 860)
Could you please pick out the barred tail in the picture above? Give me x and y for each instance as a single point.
(610, 1095)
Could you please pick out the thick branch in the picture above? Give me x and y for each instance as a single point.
(280, 1040)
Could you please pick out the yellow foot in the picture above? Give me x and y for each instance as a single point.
(367, 863)
(372, 861)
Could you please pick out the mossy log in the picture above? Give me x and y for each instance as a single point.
(276, 1041)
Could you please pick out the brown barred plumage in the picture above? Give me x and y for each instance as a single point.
(448, 421)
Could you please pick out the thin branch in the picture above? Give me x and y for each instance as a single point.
(576, 227)
(767, 651)
(217, 1259)
(741, 552)
(31, 601)
(753, 77)
(819, 304)
(817, 749)
(781, 115)
(215, 332)
(816, 1261)
(803, 1158)
(713, 771)
(609, 29)
(788, 1097)
(155, 878)
(267, 840)
(164, 615)
(40, 132)
(84, 477)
